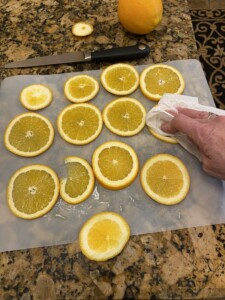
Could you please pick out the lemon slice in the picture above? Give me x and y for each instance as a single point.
(104, 236)
(35, 96)
(165, 179)
(115, 165)
(158, 79)
(120, 79)
(32, 191)
(81, 88)
(79, 184)
(163, 138)
(124, 116)
(82, 29)
(29, 134)
(80, 124)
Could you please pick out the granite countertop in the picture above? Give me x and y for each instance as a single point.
(179, 264)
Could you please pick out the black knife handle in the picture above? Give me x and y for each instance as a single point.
(122, 53)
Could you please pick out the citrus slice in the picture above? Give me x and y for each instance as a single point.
(158, 79)
(124, 116)
(120, 79)
(81, 88)
(29, 134)
(35, 96)
(104, 236)
(80, 124)
(80, 180)
(165, 179)
(82, 29)
(32, 191)
(163, 138)
(115, 165)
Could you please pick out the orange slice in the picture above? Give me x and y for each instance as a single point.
(165, 179)
(163, 138)
(29, 134)
(80, 124)
(81, 88)
(35, 96)
(120, 79)
(32, 191)
(82, 29)
(115, 165)
(159, 79)
(124, 116)
(104, 236)
(79, 183)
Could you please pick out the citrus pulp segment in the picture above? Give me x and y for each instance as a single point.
(35, 96)
(29, 134)
(124, 116)
(82, 29)
(79, 183)
(165, 179)
(104, 236)
(79, 124)
(32, 191)
(167, 139)
(120, 79)
(81, 88)
(159, 79)
(115, 165)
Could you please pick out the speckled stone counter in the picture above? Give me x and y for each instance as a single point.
(182, 264)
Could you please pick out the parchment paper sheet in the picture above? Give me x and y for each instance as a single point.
(204, 205)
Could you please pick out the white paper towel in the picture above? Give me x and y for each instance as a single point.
(159, 115)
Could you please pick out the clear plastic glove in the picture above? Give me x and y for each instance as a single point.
(207, 132)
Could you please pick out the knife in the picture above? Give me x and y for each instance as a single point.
(139, 50)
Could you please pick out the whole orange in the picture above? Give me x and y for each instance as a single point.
(140, 16)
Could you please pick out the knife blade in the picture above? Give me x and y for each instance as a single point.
(139, 50)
